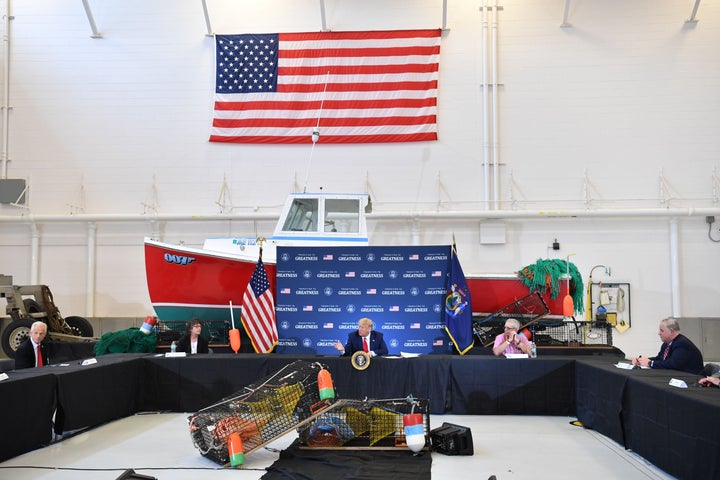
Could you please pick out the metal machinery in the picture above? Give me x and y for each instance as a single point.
(29, 303)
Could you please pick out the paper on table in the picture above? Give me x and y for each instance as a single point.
(625, 365)
(674, 382)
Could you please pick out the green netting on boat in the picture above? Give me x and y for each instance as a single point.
(131, 340)
(547, 274)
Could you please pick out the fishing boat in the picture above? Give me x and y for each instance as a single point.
(186, 282)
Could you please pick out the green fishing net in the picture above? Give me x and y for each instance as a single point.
(547, 275)
(131, 340)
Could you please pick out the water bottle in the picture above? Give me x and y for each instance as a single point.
(173, 347)
(533, 350)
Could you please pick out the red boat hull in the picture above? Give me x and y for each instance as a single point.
(185, 283)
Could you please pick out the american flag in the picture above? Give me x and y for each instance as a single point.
(258, 311)
(352, 87)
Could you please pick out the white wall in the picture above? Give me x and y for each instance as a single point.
(620, 110)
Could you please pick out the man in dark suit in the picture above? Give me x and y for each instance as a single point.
(33, 352)
(357, 339)
(677, 352)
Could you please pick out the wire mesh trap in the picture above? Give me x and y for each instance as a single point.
(260, 412)
(526, 310)
(548, 333)
(364, 424)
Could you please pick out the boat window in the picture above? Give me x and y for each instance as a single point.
(302, 216)
(342, 215)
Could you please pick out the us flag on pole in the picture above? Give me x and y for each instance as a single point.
(352, 87)
(258, 311)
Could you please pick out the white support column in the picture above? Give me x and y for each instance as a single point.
(34, 254)
(5, 152)
(676, 306)
(485, 110)
(91, 260)
(495, 136)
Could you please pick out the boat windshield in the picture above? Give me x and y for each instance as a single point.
(302, 216)
(342, 215)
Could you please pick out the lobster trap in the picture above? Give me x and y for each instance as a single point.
(364, 424)
(548, 333)
(527, 310)
(260, 412)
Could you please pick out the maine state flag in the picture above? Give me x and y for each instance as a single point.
(458, 307)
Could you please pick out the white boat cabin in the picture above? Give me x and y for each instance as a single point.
(330, 219)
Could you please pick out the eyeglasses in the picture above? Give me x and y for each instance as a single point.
(510, 328)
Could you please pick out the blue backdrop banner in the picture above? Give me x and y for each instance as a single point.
(322, 292)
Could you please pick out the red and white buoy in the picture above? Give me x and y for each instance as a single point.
(414, 431)
(148, 325)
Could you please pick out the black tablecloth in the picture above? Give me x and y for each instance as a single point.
(677, 429)
(188, 384)
(88, 395)
(27, 405)
(496, 385)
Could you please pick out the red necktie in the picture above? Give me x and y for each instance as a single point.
(39, 356)
(665, 353)
(365, 345)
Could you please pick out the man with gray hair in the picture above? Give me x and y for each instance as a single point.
(677, 352)
(33, 352)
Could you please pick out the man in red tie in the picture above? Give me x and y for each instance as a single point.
(365, 339)
(677, 352)
(33, 351)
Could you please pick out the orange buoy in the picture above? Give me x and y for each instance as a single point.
(568, 306)
(234, 339)
(235, 450)
(325, 385)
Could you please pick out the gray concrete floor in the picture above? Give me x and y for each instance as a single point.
(507, 446)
